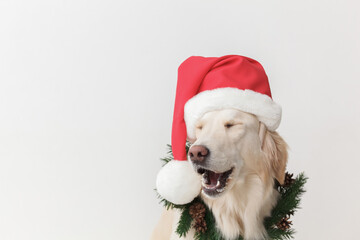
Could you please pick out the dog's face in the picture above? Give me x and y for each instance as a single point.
(225, 140)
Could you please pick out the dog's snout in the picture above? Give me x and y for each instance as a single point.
(198, 153)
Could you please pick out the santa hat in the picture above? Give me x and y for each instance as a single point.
(207, 84)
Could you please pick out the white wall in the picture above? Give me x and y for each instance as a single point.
(86, 100)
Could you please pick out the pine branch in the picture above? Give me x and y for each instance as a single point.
(278, 234)
(289, 200)
(169, 149)
(184, 222)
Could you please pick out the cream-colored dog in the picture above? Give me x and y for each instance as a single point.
(238, 159)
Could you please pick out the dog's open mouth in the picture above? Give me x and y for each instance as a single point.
(214, 183)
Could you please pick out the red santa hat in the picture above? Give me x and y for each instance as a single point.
(207, 84)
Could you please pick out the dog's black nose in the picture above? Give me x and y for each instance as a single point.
(198, 153)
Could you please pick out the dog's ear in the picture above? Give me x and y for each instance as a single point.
(275, 149)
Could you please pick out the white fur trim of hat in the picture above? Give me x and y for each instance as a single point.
(248, 101)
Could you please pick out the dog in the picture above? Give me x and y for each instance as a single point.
(239, 160)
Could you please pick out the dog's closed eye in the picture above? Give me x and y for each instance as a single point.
(231, 124)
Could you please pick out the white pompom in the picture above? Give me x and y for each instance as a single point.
(178, 183)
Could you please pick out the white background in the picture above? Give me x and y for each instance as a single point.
(86, 100)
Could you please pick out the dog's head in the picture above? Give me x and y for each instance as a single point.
(229, 141)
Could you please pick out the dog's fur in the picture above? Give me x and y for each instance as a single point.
(258, 156)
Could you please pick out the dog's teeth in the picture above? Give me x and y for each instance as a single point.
(218, 183)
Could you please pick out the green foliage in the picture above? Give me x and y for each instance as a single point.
(289, 202)
(184, 222)
(275, 233)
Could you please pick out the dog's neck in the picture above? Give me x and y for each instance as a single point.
(243, 201)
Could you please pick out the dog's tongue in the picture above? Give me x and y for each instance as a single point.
(213, 177)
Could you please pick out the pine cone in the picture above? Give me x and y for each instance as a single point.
(200, 226)
(197, 212)
(288, 179)
(284, 223)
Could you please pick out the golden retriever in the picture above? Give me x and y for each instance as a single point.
(238, 159)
